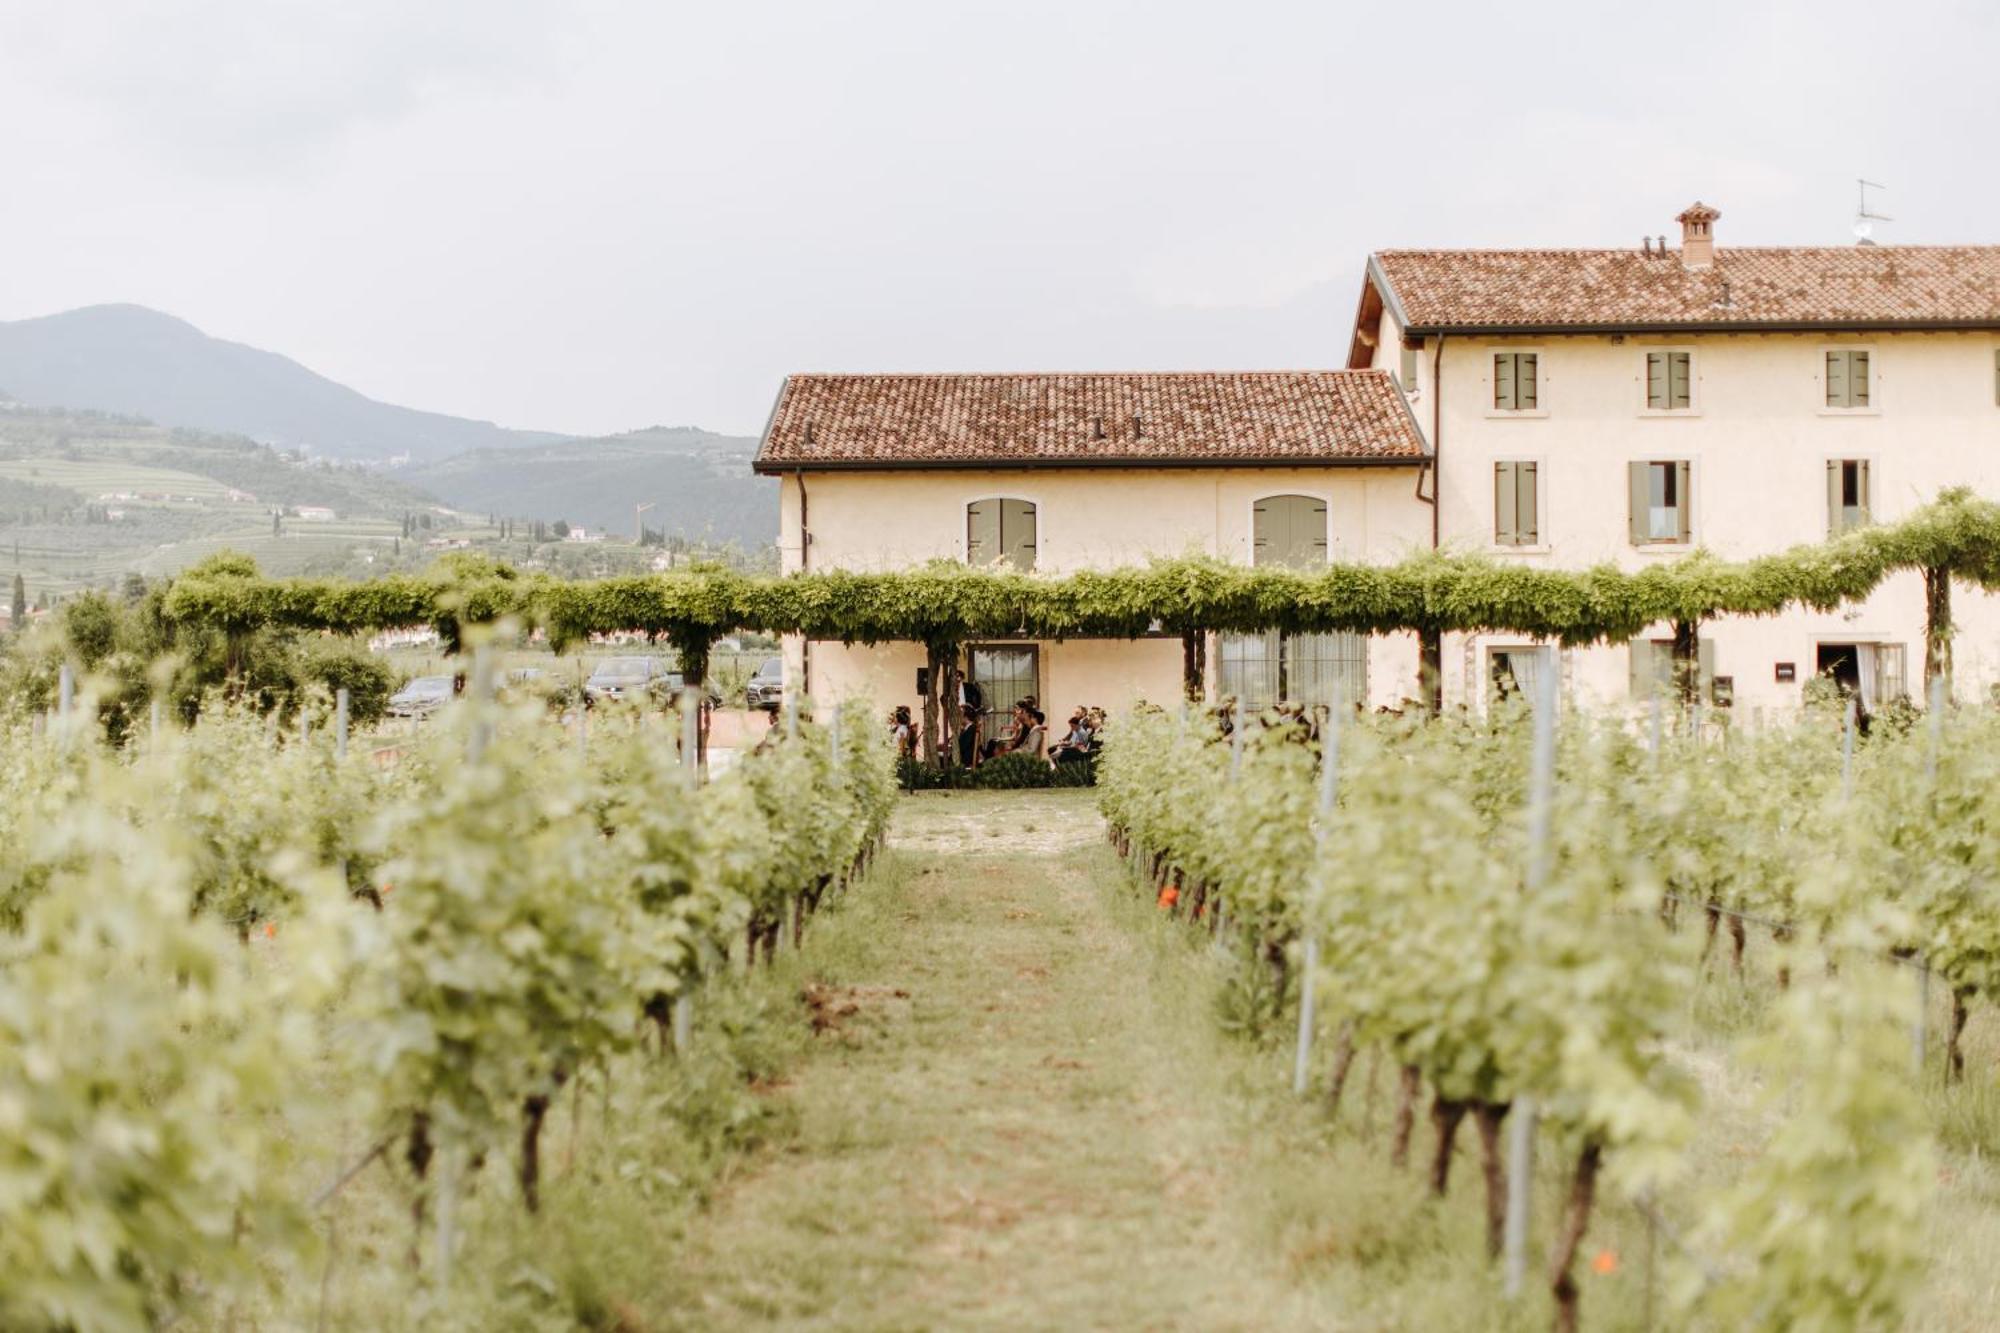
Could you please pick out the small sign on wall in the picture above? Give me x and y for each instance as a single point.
(1788, 672)
(923, 682)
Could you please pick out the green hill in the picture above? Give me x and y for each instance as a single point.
(128, 359)
(86, 497)
(700, 484)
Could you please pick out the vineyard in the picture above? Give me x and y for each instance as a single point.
(245, 970)
(1529, 929)
(524, 1019)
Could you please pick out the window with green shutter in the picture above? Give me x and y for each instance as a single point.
(1669, 381)
(1652, 669)
(1516, 382)
(1288, 531)
(1517, 504)
(1662, 501)
(1849, 495)
(1847, 379)
(1000, 531)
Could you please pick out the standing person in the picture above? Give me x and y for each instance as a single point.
(968, 736)
(904, 734)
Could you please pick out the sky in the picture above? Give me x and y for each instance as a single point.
(596, 215)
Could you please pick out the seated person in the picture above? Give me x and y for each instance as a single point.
(1076, 744)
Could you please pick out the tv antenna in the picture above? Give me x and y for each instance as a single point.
(1864, 221)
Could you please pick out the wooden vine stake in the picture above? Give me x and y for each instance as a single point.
(1521, 1130)
(1329, 786)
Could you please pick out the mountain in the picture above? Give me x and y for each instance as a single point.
(131, 360)
(700, 484)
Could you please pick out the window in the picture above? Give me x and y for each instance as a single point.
(1847, 379)
(1007, 674)
(1516, 501)
(1516, 672)
(1662, 502)
(1653, 668)
(1516, 386)
(1288, 531)
(1848, 497)
(1871, 671)
(1409, 368)
(1000, 532)
(1259, 670)
(1669, 381)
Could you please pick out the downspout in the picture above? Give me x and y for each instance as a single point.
(805, 563)
(1430, 641)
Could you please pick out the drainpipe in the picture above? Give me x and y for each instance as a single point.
(1430, 642)
(805, 563)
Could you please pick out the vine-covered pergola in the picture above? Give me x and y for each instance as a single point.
(943, 605)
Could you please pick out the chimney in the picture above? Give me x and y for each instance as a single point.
(1697, 235)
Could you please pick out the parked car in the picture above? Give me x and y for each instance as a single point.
(766, 689)
(627, 677)
(421, 697)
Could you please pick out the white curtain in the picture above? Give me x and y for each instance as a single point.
(1864, 661)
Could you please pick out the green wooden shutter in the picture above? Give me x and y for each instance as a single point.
(1704, 665)
(1505, 506)
(1857, 379)
(982, 532)
(1017, 533)
(1526, 380)
(1680, 376)
(1656, 380)
(1643, 670)
(1317, 530)
(1836, 379)
(1864, 493)
(1684, 497)
(1527, 498)
(1637, 475)
(1503, 381)
(1834, 527)
(1408, 372)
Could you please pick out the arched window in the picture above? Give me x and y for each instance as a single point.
(1000, 531)
(1259, 670)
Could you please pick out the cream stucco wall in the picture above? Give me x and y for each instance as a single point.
(1086, 519)
(1758, 437)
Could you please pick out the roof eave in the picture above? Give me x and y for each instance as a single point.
(779, 466)
(1709, 326)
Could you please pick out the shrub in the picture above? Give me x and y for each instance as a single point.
(1007, 772)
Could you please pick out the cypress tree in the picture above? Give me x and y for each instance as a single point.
(20, 607)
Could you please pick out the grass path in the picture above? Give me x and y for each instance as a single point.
(1033, 1137)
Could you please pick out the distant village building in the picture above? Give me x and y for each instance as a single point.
(315, 514)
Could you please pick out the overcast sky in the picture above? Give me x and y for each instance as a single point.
(603, 214)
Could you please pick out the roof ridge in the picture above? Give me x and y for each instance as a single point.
(1342, 371)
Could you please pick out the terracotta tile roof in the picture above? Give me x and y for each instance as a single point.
(1792, 287)
(1257, 418)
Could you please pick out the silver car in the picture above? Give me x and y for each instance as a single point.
(421, 697)
(622, 677)
(766, 689)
